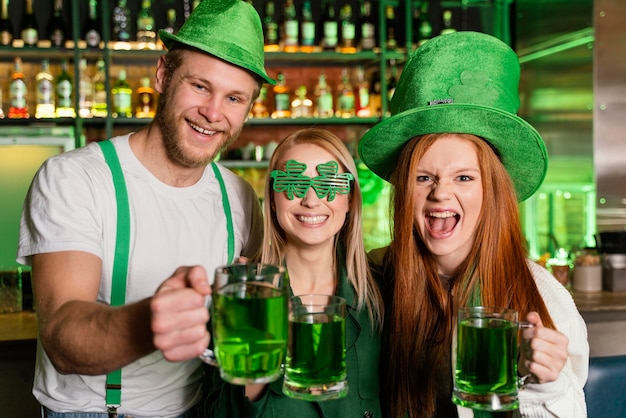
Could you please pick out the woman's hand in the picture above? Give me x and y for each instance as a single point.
(543, 351)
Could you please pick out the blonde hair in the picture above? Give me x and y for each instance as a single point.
(350, 236)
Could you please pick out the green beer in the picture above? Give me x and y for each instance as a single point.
(316, 357)
(250, 337)
(486, 364)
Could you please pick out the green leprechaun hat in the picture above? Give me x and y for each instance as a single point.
(228, 29)
(464, 82)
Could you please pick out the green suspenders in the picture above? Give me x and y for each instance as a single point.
(122, 253)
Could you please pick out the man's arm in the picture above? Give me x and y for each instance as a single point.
(83, 336)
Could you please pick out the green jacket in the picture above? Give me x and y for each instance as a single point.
(362, 401)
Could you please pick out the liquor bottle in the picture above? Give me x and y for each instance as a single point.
(348, 30)
(447, 26)
(330, 26)
(64, 88)
(363, 109)
(345, 97)
(259, 107)
(367, 26)
(85, 91)
(422, 25)
(281, 98)
(1, 108)
(392, 82)
(390, 20)
(91, 29)
(301, 105)
(45, 104)
(146, 100)
(323, 98)
(121, 22)
(375, 95)
(99, 107)
(57, 29)
(122, 96)
(170, 19)
(307, 28)
(18, 92)
(146, 35)
(6, 27)
(290, 27)
(29, 30)
(270, 28)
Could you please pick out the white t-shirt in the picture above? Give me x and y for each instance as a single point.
(71, 206)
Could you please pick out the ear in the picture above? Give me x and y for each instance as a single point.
(159, 79)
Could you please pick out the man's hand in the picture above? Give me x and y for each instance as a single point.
(180, 314)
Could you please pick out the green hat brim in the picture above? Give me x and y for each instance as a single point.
(522, 150)
(224, 50)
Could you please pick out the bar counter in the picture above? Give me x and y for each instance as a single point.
(22, 326)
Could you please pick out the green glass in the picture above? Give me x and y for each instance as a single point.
(316, 353)
(486, 359)
(249, 323)
(249, 341)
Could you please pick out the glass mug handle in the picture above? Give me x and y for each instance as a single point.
(208, 355)
(525, 325)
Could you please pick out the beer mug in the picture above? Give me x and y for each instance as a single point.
(315, 369)
(485, 359)
(249, 322)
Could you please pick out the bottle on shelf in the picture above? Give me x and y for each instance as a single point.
(307, 28)
(121, 25)
(122, 96)
(29, 29)
(146, 35)
(367, 27)
(6, 27)
(270, 28)
(330, 26)
(99, 108)
(64, 89)
(345, 97)
(18, 92)
(91, 28)
(259, 107)
(146, 99)
(290, 27)
(447, 26)
(423, 27)
(1, 107)
(390, 21)
(376, 95)
(392, 82)
(45, 103)
(301, 105)
(57, 29)
(170, 21)
(347, 45)
(363, 109)
(85, 91)
(281, 98)
(323, 98)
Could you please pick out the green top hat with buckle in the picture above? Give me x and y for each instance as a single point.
(227, 29)
(463, 82)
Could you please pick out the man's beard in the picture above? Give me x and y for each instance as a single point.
(167, 122)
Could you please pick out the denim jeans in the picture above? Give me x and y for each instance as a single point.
(46, 413)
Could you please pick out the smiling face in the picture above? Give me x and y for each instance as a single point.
(203, 106)
(310, 221)
(448, 200)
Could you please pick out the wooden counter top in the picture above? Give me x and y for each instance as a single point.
(600, 301)
(18, 326)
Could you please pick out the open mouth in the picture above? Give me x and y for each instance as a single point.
(442, 223)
